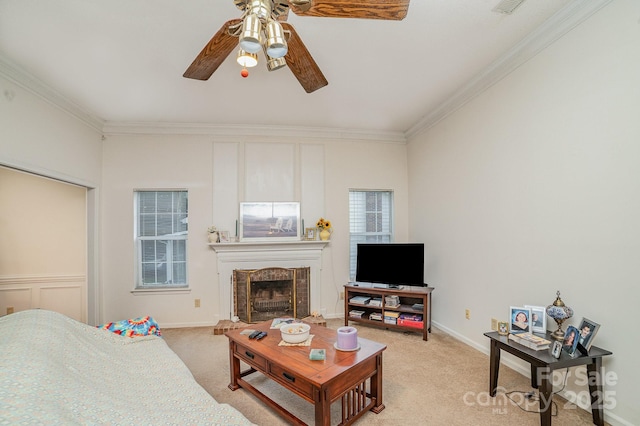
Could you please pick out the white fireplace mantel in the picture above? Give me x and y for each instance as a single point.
(267, 246)
(266, 254)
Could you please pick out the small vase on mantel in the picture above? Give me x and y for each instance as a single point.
(213, 237)
(325, 234)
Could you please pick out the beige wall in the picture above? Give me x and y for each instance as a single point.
(48, 140)
(43, 248)
(533, 187)
(530, 188)
(187, 161)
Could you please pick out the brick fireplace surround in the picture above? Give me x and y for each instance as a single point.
(266, 254)
(268, 293)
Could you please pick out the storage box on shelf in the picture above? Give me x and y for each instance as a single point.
(406, 307)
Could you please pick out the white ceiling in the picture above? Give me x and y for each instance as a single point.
(122, 61)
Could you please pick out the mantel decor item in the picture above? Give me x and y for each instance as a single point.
(269, 221)
(213, 234)
(324, 225)
(560, 313)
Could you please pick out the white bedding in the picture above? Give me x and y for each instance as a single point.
(55, 370)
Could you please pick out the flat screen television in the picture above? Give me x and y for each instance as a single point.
(391, 263)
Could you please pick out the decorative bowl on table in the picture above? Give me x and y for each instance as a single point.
(295, 333)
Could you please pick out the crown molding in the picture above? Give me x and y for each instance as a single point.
(22, 78)
(550, 31)
(546, 34)
(243, 130)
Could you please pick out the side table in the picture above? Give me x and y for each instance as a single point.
(542, 366)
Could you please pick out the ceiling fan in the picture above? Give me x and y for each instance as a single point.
(263, 26)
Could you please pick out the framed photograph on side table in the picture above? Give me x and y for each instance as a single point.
(503, 328)
(538, 318)
(519, 320)
(570, 341)
(587, 330)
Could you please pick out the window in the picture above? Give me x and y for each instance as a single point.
(370, 218)
(161, 239)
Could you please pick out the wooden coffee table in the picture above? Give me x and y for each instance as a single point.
(354, 377)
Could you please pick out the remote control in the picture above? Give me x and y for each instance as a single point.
(261, 335)
(254, 334)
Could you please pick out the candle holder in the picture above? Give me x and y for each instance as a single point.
(560, 313)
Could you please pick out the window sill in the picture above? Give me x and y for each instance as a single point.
(143, 291)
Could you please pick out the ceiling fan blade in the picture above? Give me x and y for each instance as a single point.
(214, 53)
(394, 10)
(301, 63)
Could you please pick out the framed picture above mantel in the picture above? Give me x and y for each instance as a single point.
(269, 221)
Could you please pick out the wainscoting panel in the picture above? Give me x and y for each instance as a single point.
(64, 294)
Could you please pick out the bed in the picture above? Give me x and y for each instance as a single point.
(55, 370)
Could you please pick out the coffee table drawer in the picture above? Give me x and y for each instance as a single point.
(291, 380)
(250, 357)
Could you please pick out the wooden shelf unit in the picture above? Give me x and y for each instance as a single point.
(408, 295)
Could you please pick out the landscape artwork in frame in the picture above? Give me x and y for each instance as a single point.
(519, 320)
(538, 318)
(273, 221)
(587, 331)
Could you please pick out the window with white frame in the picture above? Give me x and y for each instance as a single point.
(161, 229)
(370, 219)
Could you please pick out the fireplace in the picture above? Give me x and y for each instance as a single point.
(253, 256)
(267, 293)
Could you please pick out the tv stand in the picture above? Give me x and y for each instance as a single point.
(409, 297)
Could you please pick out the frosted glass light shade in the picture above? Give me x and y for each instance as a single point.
(247, 59)
(250, 38)
(276, 43)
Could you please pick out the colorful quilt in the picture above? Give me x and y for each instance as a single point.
(143, 326)
(58, 371)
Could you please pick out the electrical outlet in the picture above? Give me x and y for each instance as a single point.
(494, 324)
(342, 295)
(467, 313)
(197, 303)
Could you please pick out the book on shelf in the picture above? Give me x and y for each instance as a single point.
(354, 313)
(531, 341)
(361, 300)
(375, 316)
(375, 302)
(418, 306)
(411, 317)
(391, 317)
(392, 301)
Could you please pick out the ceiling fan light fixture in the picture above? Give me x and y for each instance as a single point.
(247, 59)
(261, 8)
(250, 38)
(276, 43)
(275, 63)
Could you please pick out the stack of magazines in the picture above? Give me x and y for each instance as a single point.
(531, 341)
(392, 301)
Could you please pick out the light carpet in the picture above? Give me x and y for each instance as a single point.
(439, 382)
